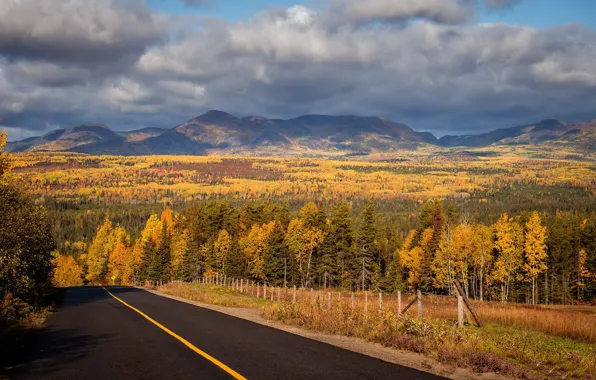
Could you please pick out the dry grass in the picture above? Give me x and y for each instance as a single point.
(212, 294)
(571, 321)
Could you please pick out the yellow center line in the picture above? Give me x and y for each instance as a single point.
(234, 374)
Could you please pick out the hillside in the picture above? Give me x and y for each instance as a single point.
(220, 132)
(217, 132)
(546, 131)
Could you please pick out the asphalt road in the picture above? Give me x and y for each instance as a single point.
(94, 336)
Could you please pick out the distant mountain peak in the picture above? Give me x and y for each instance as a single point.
(216, 114)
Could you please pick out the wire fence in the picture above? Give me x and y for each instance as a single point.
(456, 308)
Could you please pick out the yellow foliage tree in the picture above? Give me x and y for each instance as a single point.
(178, 249)
(443, 264)
(508, 236)
(254, 246)
(482, 247)
(67, 272)
(411, 260)
(302, 240)
(221, 250)
(99, 253)
(534, 250)
(120, 265)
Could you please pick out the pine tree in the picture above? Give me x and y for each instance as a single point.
(159, 267)
(236, 265)
(366, 250)
(276, 256)
(339, 244)
(431, 216)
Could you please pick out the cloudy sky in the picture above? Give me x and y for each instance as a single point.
(446, 66)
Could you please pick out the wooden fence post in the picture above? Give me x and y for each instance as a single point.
(398, 302)
(460, 311)
(339, 302)
(294, 296)
(419, 297)
(278, 293)
(328, 301)
(380, 302)
(258, 295)
(468, 304)
(265, 291)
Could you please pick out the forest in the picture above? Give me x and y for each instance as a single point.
(530, 258)
(510, 224)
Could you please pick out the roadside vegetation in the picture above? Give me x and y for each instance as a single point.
(26, 245)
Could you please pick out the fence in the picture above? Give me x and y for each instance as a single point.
(435, 305)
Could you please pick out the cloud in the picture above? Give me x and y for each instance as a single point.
(93, 32)
(501, 4)
(432, 73)
(363, 12)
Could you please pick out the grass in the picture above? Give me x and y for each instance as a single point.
(517, 340)
(572, 321)
(212, 294)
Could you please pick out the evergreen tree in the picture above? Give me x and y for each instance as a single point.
(236, 264)
(341, 242)
(431, 216)
(159, 267)
(275, 256)
(364, 264)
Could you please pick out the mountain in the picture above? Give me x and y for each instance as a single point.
(67, 139)
(546, 131)
(217, 132)
(220, 132)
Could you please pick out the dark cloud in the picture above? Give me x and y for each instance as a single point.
(501, 4)
(90, 32)
(363, 12)
(431, 73)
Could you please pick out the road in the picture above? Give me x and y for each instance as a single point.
(94, 335)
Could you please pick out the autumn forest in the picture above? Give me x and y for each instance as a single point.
(510, 224)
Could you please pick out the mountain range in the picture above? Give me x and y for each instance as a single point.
(217, 132)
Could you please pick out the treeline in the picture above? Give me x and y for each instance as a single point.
(532, 257)
(26, 245)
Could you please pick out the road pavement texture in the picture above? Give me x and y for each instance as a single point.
(120, 332)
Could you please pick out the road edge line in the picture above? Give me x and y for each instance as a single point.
(202, 353)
